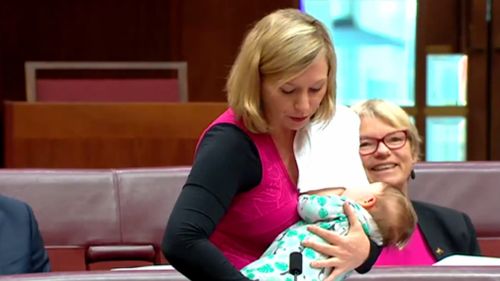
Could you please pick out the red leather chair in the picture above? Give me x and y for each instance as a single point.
(98, 219)
(74, 209)
(147, 197)
(471, 187)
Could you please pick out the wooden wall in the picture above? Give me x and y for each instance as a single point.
(205, 33)
(471, 28)
(106, 135)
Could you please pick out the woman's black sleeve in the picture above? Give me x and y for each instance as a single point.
(372, 258)
(226, 162)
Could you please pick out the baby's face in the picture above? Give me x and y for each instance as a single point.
(361, 193)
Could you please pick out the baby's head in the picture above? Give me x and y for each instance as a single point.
(390, 209)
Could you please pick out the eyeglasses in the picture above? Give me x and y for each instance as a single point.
(394, 140)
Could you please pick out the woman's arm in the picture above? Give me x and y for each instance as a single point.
(353, 251)
(226, 163)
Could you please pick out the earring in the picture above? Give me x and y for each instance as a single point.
(412, 174)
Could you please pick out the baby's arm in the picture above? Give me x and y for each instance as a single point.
(320, 206)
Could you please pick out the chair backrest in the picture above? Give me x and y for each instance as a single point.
(99, 219)
(147, 197)
(470, 187)
(103, 88)
(74, 209)
(89, 217)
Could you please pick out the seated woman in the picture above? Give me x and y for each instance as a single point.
(389, 147)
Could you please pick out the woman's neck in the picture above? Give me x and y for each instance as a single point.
(404, 189)
(283, 140)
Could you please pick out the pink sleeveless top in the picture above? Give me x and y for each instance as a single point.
(415, 253)
(257, 216)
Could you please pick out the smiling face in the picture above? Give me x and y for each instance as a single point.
(385, 165)
(289, 105)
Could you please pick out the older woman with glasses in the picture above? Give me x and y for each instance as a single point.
(389, 147)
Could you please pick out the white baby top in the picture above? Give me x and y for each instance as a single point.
(327, 153)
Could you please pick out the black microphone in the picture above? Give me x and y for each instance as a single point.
(295, 264)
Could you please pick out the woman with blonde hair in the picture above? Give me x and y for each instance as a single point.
(242, 189)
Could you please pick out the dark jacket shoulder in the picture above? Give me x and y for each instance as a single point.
(439, 213)
(12, 209)
(22, 249)
(446, 230)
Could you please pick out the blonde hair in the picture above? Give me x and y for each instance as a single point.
(279, 47)
(394, 116)
(395, 217)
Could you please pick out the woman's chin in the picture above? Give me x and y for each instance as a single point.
(388, 178)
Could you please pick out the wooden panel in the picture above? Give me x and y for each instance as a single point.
(495, 83)
(51, 135)
(82, 30)
(206, 34)
(212, 32)
(437, 31)
(477, 89)
(453, 26)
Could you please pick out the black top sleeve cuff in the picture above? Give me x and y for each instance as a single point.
(372, 258)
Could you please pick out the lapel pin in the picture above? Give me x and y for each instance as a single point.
(439, 251)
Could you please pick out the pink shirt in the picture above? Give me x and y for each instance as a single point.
(257, 216)
(416, 252)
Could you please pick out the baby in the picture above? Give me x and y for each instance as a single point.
(386, 214)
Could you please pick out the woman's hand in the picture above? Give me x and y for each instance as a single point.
(346, 252)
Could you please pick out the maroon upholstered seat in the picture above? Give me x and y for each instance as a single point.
(100, 219)
(74, 209)
(147, 197)
(105, 88)
(471, 187)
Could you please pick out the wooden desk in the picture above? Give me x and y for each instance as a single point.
(104, 135)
